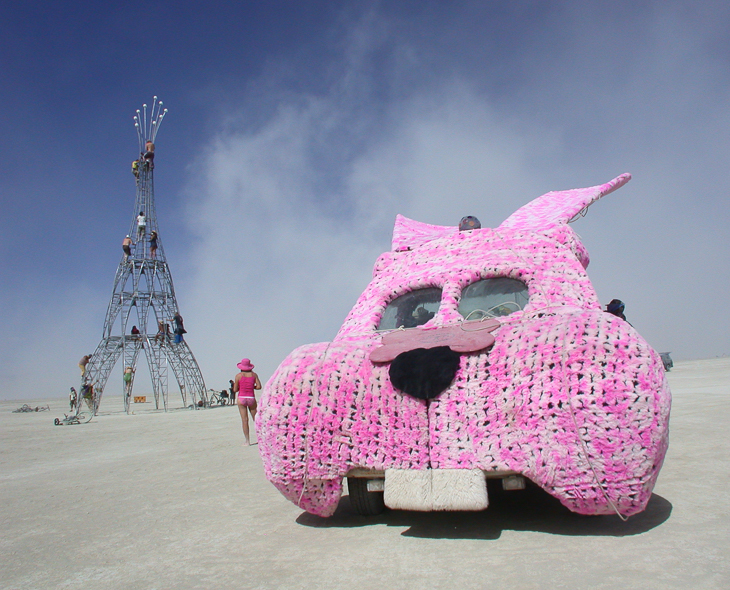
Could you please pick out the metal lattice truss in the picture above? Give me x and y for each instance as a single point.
(144, 296)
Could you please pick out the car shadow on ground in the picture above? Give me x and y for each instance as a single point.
(531, 509)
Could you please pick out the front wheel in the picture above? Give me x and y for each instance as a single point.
(364, 502)
(57, 422)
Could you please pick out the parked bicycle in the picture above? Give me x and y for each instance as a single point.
(26, 408)
(71, 419)
(216, 398)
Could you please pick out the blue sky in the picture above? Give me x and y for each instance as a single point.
(296, 131)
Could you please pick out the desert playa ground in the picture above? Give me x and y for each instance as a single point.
(175, 500)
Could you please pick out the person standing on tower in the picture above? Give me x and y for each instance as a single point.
(245, 383)
(153, 244)
(141, 224)
(126, 247)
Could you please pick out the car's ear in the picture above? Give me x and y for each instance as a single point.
(560, 207)
(408, 233)
(549, 213)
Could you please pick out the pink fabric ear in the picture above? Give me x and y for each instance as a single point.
(549, 210)
(560, 207)
(408, 234)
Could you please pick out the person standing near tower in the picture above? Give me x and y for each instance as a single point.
(72, 398)
(245, 383)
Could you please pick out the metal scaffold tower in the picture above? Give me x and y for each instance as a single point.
(143, 297)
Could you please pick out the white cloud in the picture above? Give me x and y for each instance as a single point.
(294, 209)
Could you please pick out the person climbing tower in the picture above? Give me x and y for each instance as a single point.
(141, 224)
(179, 328)
(128, 372)
(153, 244)
(126, 247)
(149, 154)
(163, 332)
(89, 395)
(135, 169)
(83, 362)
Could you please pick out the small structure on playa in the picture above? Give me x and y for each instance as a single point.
(474, 353)
(143, 313)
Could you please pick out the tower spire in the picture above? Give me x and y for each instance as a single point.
(149, 133)
(143, 314)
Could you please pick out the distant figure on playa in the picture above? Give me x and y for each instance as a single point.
(72, 398)
(231, 393)
(83, 362)
(153, 244)
(126, 247)
(245, 384)
(141, 224)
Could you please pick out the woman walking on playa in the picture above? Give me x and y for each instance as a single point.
(245, 384)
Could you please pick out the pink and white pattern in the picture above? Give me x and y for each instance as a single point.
(568, 395)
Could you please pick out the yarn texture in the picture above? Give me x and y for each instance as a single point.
(569, 396)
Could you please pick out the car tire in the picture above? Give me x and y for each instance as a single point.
(364, 502)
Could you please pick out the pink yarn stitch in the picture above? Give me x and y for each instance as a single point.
(569, 396)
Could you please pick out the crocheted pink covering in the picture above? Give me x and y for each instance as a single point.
(568, 395)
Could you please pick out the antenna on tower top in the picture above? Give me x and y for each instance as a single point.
(148, 131)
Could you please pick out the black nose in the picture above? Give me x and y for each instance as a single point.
(424, 373)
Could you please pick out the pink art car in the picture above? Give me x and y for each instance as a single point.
(474, 353)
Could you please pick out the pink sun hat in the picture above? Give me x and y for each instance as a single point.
(245, 365)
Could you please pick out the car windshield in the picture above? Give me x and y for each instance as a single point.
(493, 298)
(411, 310)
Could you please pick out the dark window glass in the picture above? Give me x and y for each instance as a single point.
(493, 298)
(411, 310)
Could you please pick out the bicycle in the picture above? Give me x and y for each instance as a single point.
(72, 419)
(25, 408)
(217, 399)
